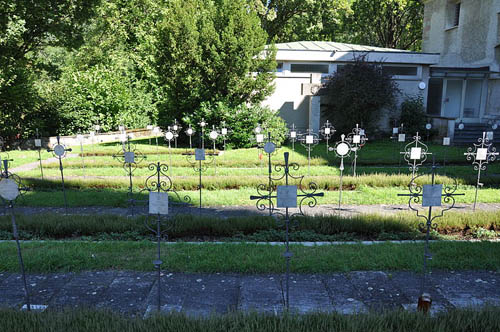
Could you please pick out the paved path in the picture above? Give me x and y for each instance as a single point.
(238, 211)
(36, 164)
(135, 293)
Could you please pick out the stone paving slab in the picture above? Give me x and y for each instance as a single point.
(199, 295)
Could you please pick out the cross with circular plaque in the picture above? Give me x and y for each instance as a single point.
(38, 146)
(176, 128)
(342, 150)
(60, 151)
(214, 135)
(202, 124)
(190, 132)
(224, 132)
(481, 154)
(169, 136)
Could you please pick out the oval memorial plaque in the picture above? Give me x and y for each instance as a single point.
(59, 150)
(269, 147)
(169, 135)
(213, 135)
(9, 189)
(342, 149)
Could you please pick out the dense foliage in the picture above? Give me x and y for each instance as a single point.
(68, 64)
(413, 115)
(210, 52)
(358, 94)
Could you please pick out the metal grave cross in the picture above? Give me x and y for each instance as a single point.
(159, 186)
(202, 124)
(293, 135)
(38, 146)
(399, 136)
(190, 132)
(176, 128)
(481, 153)
(130, 157)
(60, 151)
(342, 150)
(327, 132)
(287, 196)
(357, 139)
(169, 136)
(309, 140)
(10, 190)
(224, 132)
(415, 154)
(429, 195)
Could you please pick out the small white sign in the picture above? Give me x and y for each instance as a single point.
(293, 134)
(489, 135)
(149, 127)
(59, 150)
(395, 130)
(309, 139)
(224, 131)
(169, 135)
(481, 154)
(401, 137)
(38, 142)
(432, 195)
(287, 197)
(342, 149)
(158, 203)
(415, 153)
(213, 135)
(446, 141)
(269, 147)
(356, 139)
(123, 137)
(327, 131)
(8, 189)
(175, 127)
(129, 157)
(199, 154)
(259, 138)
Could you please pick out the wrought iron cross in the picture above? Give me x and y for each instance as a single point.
(481, 154)
(429, 195)
(309, 140)
(357, 139)
(327, 132)
(415, 154)
(190, 132)
(342, 150)
(176, 128)
(293, 135)
(287, 197)
(60, 151)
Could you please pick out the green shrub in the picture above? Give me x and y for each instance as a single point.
(413, 116)
(241, 120)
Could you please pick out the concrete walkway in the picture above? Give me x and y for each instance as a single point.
(135, 293)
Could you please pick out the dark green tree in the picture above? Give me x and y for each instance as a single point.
(385, 23)
(211, 51)
(358, 93)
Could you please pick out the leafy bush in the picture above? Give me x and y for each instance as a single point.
(413, 116)
(357, 94)
(211, 51)
(241, 120)
(100, 94)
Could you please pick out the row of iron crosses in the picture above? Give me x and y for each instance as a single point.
(290, 201)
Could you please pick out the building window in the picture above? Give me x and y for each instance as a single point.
(400, 70)
(456, 19)
(309, 68)
(279, 67)
(434, 97)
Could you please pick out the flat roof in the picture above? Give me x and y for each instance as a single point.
(326, 46)
(324, 51)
